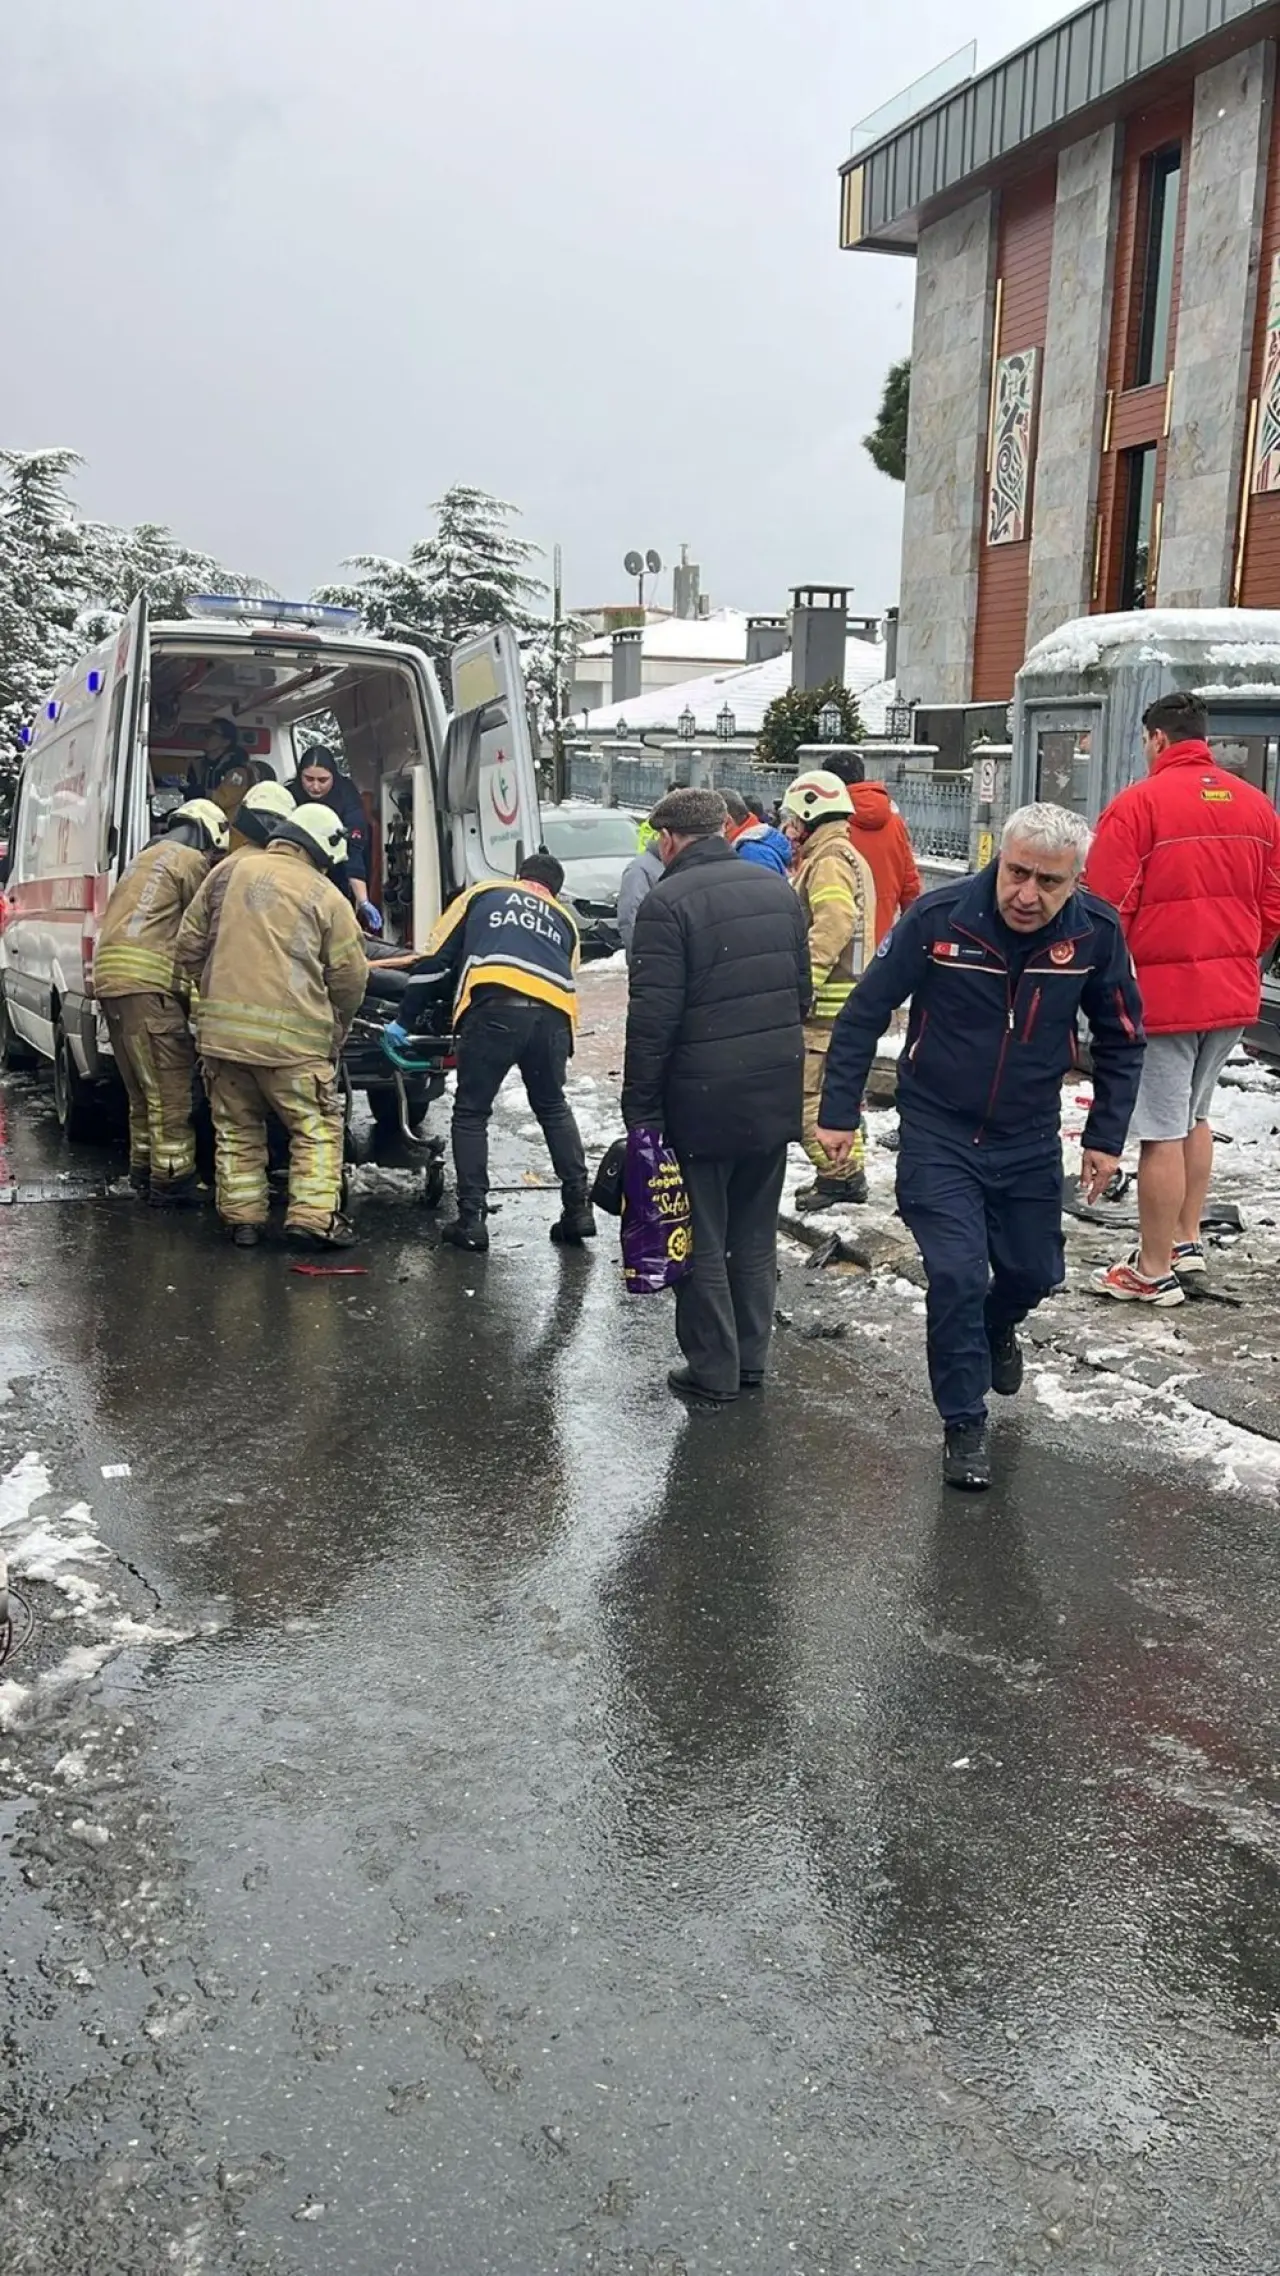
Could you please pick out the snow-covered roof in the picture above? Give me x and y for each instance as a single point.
(720, 638)
(748, 693)
(1225, 636)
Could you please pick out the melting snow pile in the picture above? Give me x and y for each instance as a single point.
(66, 1553)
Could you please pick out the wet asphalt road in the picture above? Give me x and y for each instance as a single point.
(577, 1836)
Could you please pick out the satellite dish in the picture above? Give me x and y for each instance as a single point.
(633, 564)
(653, 562)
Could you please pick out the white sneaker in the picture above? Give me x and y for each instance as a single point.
(1189, 1257)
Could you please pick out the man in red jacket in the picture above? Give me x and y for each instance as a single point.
(1191, 859)
(880, 835)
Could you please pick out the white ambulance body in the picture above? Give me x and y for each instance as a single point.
(451, 797)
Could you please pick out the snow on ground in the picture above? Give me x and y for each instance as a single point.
(1236, 1460)
(65, 1552)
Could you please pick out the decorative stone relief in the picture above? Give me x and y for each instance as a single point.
(1009, 496)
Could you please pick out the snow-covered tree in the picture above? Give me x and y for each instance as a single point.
(470, 573)
(65, 584)
(42, 588)
(125, 562)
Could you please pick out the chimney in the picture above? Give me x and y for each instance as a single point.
(819, 617)
(686, 583)
(766, 637)
(891, 644)
(626, 663)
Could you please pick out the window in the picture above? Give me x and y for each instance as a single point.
(1164, 176)
(1136, 563)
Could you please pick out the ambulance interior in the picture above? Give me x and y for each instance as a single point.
(366, 713)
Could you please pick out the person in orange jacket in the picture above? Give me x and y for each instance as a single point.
(881, 837)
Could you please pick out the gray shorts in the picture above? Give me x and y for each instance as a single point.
(1178, 1078)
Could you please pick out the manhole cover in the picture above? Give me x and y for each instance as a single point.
(16, 1630)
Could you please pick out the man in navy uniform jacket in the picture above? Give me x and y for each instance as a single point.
(997, 967)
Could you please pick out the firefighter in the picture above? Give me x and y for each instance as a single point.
(259, 815)
(837, 894)
(282, 971)
(145, 1006)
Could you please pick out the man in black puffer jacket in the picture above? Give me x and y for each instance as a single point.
(719, 989)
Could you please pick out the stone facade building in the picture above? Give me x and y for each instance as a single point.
(1095, 395)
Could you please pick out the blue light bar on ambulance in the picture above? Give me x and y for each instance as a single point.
(236, 608)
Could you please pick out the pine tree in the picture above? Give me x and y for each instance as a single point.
(886, 445)
(470, 574)
(42, 580)
(65, 584)
(792, 719)
(148, 558)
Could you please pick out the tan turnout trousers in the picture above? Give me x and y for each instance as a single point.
(309, 1106)
(817, 1043)
(156, 1058)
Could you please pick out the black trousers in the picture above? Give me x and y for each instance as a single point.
(499, 1032)
(724, 1309)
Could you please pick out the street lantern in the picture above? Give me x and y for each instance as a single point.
(726, 724)
(621, 730)
(686, 725)
(899, 719)
(830, 722)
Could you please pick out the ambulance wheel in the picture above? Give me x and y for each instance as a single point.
(14, 1053)
(75, 1102)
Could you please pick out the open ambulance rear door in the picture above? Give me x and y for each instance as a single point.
(126, 754)
(490, 783)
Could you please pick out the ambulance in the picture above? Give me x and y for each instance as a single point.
(450, 790)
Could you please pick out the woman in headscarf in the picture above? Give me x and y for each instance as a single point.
(319, 783)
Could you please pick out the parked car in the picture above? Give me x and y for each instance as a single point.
(595, 844)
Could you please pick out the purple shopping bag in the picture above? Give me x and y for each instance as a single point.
(657, 1230)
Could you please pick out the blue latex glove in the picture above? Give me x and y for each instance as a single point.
(394, 1038)
(370, 917)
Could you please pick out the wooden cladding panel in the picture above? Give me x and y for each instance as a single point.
(1137, 414)
(1260, 578)
(1024, 260)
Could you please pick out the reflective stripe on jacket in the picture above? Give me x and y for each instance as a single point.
(837, 894)
(502, 934)
(135, 947)
(277, 956)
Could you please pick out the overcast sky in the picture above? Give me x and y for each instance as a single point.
(282, 273)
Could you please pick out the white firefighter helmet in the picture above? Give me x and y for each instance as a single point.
(211, 819)
(817, 797)
(269, 798)
(319, 830)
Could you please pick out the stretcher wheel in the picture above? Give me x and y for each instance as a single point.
(357, 1143)
(433, 1185)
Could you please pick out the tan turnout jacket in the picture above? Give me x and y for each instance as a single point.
(277, 957)
(135, 948)
(838, 895)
